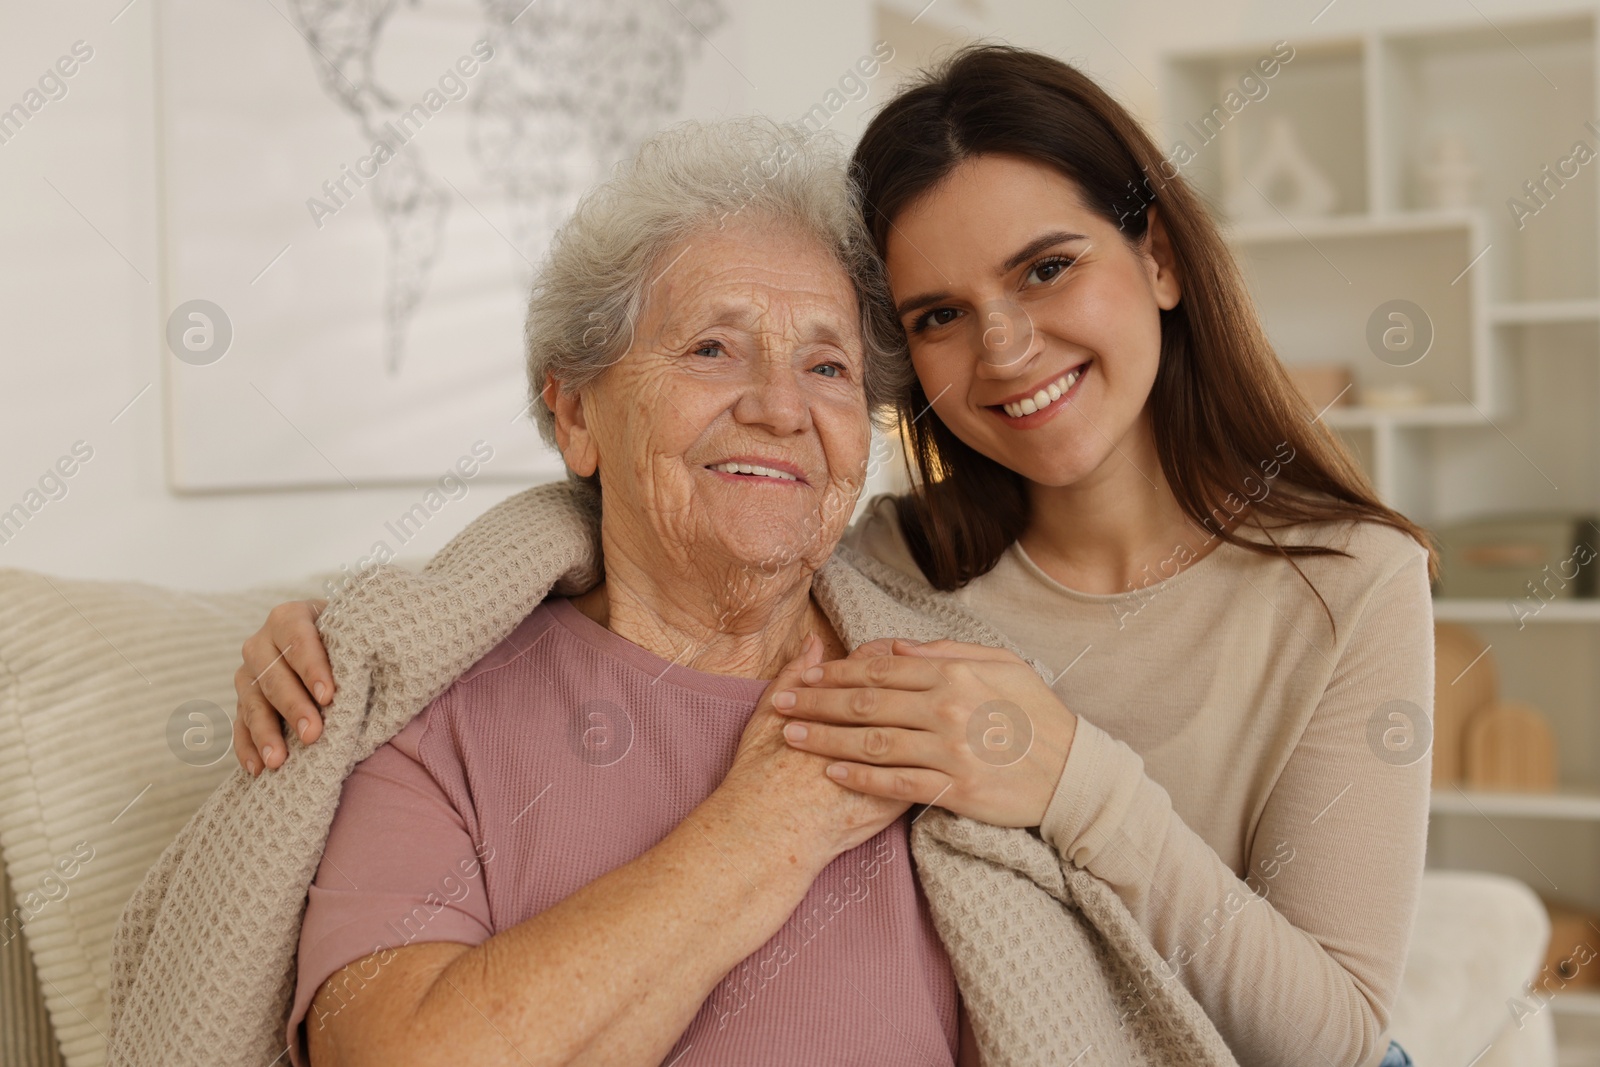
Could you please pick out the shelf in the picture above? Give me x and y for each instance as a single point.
(1532, 312)
(1363, 225)
(1357, 416)
(1503, 611)
(1321, 285)
(1576, 1002)
(1315, 86)
(1563, 804)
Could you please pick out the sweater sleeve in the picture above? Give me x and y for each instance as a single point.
(1300, 960)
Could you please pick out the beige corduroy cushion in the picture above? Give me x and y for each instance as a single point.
(91, 673)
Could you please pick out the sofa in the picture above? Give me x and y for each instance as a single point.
(116, 701)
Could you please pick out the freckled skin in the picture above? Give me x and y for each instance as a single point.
(1104, 307)
(749, 349)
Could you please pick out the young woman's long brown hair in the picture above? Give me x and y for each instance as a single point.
(1221, 406)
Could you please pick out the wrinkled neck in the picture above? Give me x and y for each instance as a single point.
(707, 613)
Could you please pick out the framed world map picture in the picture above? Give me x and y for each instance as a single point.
(355, 195)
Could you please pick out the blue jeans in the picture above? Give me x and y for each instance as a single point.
(1396, 1056)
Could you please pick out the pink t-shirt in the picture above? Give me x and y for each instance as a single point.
(567, 752)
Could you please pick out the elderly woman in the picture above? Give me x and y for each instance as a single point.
(582, 839)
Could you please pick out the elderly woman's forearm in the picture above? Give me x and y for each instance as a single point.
(616, 972)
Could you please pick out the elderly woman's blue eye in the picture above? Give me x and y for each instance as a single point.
(712, 347)
(828, 370)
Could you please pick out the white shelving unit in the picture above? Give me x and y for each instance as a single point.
(1511, 419)
(1502, 611)
(1578, 1003)
(1565, 804)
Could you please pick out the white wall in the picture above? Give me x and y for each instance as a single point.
(80, 319)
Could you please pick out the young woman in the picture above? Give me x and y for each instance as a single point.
(1111, 465)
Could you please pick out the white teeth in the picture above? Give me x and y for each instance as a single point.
(752, 468)
(1044, 397)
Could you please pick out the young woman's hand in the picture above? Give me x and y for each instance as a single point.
(285, 678)
(972, 729)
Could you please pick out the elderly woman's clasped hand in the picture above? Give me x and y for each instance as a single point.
(775, 788)
(970, 728)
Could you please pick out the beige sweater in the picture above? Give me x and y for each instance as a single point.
(1225, 731)
(1052, 967)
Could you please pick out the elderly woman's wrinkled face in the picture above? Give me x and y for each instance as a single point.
(735, 429)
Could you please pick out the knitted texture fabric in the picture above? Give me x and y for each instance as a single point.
(1050, 964)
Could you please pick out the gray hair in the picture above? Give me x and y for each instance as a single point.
(591, 287)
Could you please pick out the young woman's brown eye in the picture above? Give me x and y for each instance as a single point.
(936, 317)
(1048, 270)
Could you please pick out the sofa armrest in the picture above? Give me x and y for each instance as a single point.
(1478, 939)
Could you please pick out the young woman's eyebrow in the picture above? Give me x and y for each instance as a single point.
(917, 303)
(1037, 245)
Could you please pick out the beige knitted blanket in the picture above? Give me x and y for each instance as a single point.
(1051, 966)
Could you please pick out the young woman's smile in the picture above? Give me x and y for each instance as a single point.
(1032, 408)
